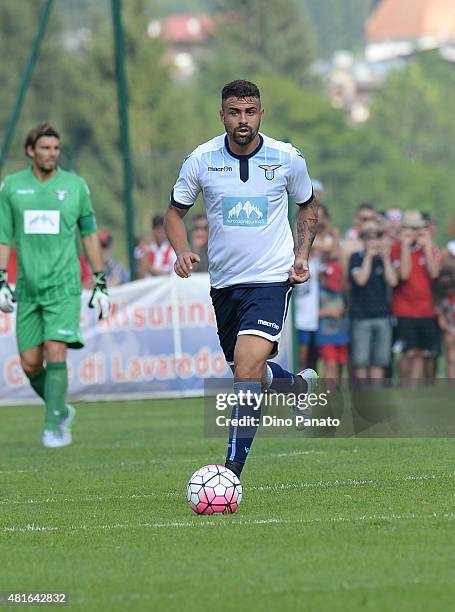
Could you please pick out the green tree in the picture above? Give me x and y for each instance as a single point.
(17, 32)
(256, 37)
(338, 24)
(90, 117)
(413, 109)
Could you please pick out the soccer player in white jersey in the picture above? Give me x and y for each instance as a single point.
(245, 178)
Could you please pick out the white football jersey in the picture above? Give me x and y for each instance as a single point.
(246, 197)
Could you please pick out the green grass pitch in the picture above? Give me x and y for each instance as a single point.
(333, 524)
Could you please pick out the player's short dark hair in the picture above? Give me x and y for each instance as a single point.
(40, 130)
(240, 89)
(157, 221)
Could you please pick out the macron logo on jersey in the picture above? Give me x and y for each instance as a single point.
(41, 222)
(268, 323)
(245, 212)
(219, 169)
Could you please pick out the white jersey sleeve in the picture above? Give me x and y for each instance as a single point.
(188, 187)
(299, 185)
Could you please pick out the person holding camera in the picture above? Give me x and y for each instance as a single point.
(416, 259)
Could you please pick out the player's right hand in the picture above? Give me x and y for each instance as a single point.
(184, 263)
(6, 295)
(300, 272)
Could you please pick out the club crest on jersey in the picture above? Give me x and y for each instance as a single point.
(61, 194)
(270, 170)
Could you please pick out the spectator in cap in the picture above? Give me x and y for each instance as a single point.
(115, 273)
(415, 258)
(371, 274)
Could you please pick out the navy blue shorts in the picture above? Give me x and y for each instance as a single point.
(259, 310)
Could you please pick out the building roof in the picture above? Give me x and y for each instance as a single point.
(186, 28)
(411, 19)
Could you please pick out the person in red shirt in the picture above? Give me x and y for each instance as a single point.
(158, 257)
(415, 257)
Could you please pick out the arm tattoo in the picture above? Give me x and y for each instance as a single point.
(307, 225)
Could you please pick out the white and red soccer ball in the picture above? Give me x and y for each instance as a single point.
(214, 489)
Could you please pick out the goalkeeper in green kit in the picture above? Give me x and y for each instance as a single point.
(40, 210)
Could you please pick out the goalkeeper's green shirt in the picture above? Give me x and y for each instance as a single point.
(42, 218)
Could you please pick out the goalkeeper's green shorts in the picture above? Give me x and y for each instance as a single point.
(49, 320)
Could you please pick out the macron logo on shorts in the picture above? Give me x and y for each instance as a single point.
(268, 324)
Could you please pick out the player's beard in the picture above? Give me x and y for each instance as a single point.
(246, 139)
(47, 168)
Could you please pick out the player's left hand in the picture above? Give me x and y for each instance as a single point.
(6, 295)
(183, 265)
(100, 296)
(300, 272)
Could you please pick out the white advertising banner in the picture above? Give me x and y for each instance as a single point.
(160, 341)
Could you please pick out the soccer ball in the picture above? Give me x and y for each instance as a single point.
(214, 488)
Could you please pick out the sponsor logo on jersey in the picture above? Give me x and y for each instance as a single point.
(268, 324)
(41, 222)
(219, 169)
(270, 170)
(25, 191)
(61, 194)
(245, 212)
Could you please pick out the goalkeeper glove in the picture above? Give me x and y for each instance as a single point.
(6, 295)
(100, 296)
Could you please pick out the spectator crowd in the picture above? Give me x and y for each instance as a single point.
(380, 303)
